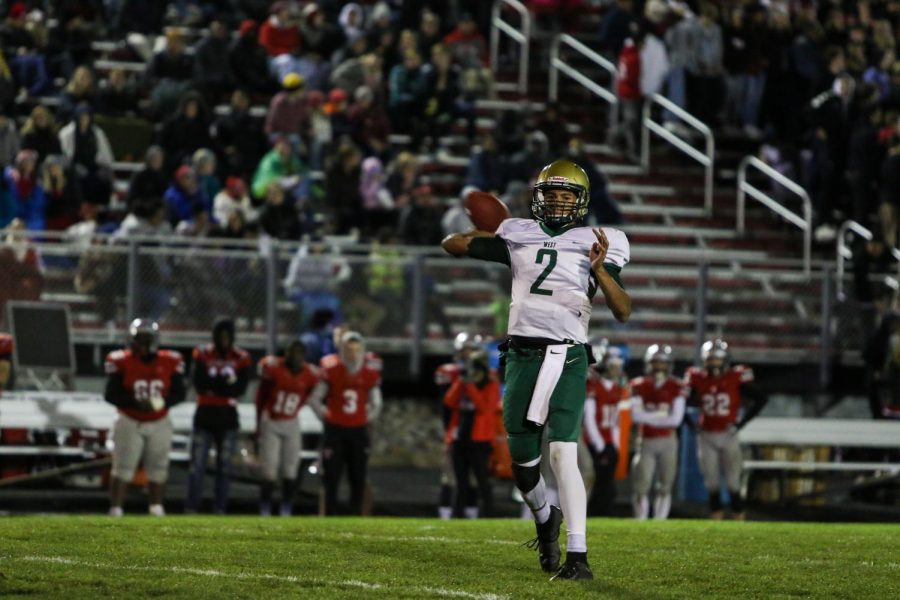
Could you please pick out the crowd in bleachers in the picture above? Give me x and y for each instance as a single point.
(335, 79)
(818, 82)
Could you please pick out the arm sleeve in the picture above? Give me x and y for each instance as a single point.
(375, 403)
(758, 402)
(177, 390)
(673, 419)
(590, 425)
(451, 398)
(492, 249)
(115, 392)
(317, 397)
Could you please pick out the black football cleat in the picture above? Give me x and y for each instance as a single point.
(574, 570)
(547, 541)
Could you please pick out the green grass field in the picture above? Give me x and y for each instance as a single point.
(246, 557)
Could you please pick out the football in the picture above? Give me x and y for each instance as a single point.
(486, 210)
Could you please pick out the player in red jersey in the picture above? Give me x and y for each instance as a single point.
(473, 400)
(221, 375)
(444, 377)
(284, 385)
(717, 390)
(6, 352)
(658, 401)
(347, 399)
(142, 382)
(601, 424)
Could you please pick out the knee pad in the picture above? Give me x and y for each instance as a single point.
(524, 447)
(715, 501)
(526, 478)
(737, 502)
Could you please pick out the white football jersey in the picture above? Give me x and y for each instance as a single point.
(552, 281)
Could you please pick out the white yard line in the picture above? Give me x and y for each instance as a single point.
(339, 583)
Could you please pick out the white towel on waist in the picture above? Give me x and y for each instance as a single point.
(548, 376)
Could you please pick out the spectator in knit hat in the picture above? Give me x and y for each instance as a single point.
(288, 114)
(233, 197)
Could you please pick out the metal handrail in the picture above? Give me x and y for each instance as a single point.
(843, 252)
(557, 66)
(804, 222)
(706, 159)
(521, 37)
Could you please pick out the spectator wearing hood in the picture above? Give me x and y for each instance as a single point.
(184, 195)
(279, 34)
(204, 163)
(377, 201)
(89, 155)
(248, 61)
(288, 114)
(26, 201)
(151, 181)
(186, 132)
(352, 20)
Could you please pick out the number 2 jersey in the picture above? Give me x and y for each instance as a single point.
(348, 393)
(281, 392)
(553, 286)
(145, 379)
(719, 396)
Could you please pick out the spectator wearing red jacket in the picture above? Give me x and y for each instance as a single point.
(279, 34)
(628, 89)
(473, 400)
(467, 44)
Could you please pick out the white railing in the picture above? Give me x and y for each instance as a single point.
(745, 188)
(706, 158)
(520, 36)
(558, 65)
(843, 253)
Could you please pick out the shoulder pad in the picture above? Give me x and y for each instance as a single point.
(619, 252)
(373, 362)
(744, 373)
(330, 361)
(512, 226)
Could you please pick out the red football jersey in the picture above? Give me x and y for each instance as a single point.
(657, 399)
(145, 379)
(720, 397)
(286, 392)
(348, 393)
(607, 399)
(207, 357)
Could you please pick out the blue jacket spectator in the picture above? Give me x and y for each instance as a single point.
(26, 200)
(615, 27)
(184, 195)
(487, 169)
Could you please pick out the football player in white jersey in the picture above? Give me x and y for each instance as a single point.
(557, 268)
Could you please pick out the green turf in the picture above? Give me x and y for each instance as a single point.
(246, 557)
